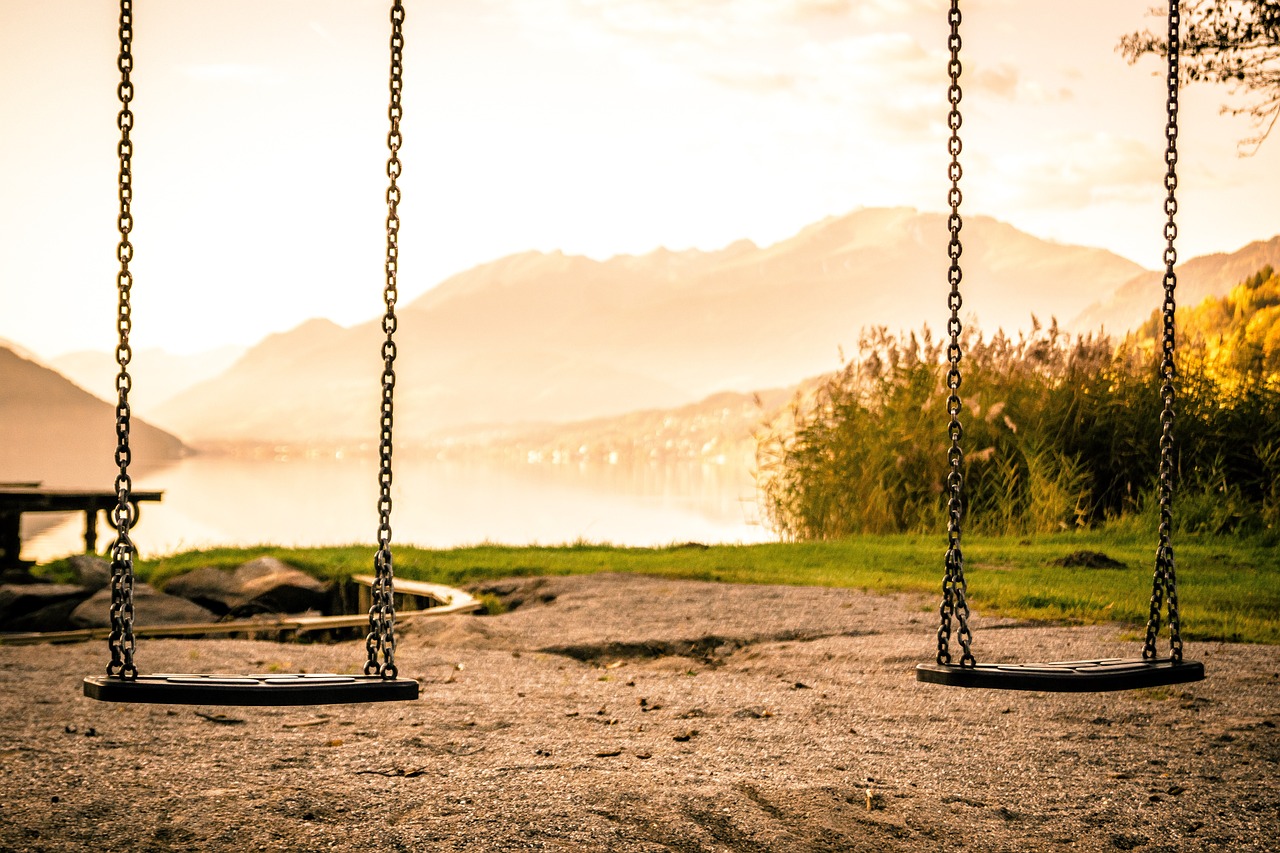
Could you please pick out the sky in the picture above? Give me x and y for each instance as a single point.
(596, 127)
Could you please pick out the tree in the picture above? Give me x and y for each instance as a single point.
(1232, 42)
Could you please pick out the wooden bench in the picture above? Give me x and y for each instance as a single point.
(17, 498)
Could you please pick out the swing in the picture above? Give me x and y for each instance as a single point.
(1061, 676)
(380, 681)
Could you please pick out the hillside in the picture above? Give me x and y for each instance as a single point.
(1198, 279)
(157, 374)
(718, 430)
(553, 338)
(56, 433)
(1237, 334)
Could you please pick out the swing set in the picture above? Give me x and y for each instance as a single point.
(380, 680)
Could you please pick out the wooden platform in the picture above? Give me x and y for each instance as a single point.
(17, 498)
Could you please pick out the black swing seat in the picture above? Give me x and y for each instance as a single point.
(1074, 676)
(266, 689)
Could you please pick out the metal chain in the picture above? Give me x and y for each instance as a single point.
(381, 640)
(1164, 583)
(121, 641)
(954, 590)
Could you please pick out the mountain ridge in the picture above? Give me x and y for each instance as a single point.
(1199, 278)
(549, 337)
(555, 337)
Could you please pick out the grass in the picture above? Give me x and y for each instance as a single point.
(1229, 587)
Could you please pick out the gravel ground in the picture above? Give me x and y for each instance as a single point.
(622, 713)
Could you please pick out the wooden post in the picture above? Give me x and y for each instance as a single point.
(10, 540)
(91, 530)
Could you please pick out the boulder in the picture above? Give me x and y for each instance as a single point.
(267, 585)
(264, 585)
(260, 568)
(18, 600)
(53, 617)
(211, 588)
(150, 607)
(92, 572)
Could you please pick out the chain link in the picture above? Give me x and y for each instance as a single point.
(121, 640)
(381, 640)
(1164, 583)
(954, 590)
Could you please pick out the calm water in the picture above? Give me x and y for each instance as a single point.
(220, 501)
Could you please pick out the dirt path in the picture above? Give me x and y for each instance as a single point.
(623, 713)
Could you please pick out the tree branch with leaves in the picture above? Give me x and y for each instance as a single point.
(1235, 43)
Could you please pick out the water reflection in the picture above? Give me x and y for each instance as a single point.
(305, 502)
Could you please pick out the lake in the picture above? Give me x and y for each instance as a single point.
(215, 500)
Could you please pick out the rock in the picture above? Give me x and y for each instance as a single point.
(754, 713)
(266, 585)
(17, 600)
(260, 568)
(92, 572)
(208, 587)
(18, 576)
(54, 617)
(150, 607)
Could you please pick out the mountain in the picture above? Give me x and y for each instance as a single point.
(554, 338)
(157, 374)
(53, 432)
(1198, 279)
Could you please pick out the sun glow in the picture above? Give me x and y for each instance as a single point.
(595, 128)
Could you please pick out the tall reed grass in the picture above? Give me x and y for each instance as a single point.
(1060, 433)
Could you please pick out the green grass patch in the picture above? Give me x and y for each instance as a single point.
(1229, 587)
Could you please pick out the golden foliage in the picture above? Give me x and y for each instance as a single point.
(1237, 336)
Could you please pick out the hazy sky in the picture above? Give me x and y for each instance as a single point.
(592, 126)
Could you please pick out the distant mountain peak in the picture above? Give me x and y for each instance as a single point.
(555, 337)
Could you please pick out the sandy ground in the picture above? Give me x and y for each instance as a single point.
(623, 713)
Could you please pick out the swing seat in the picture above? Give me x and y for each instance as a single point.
(266, 689)
(1074, 676)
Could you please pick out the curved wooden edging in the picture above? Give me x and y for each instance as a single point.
(450, 601)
